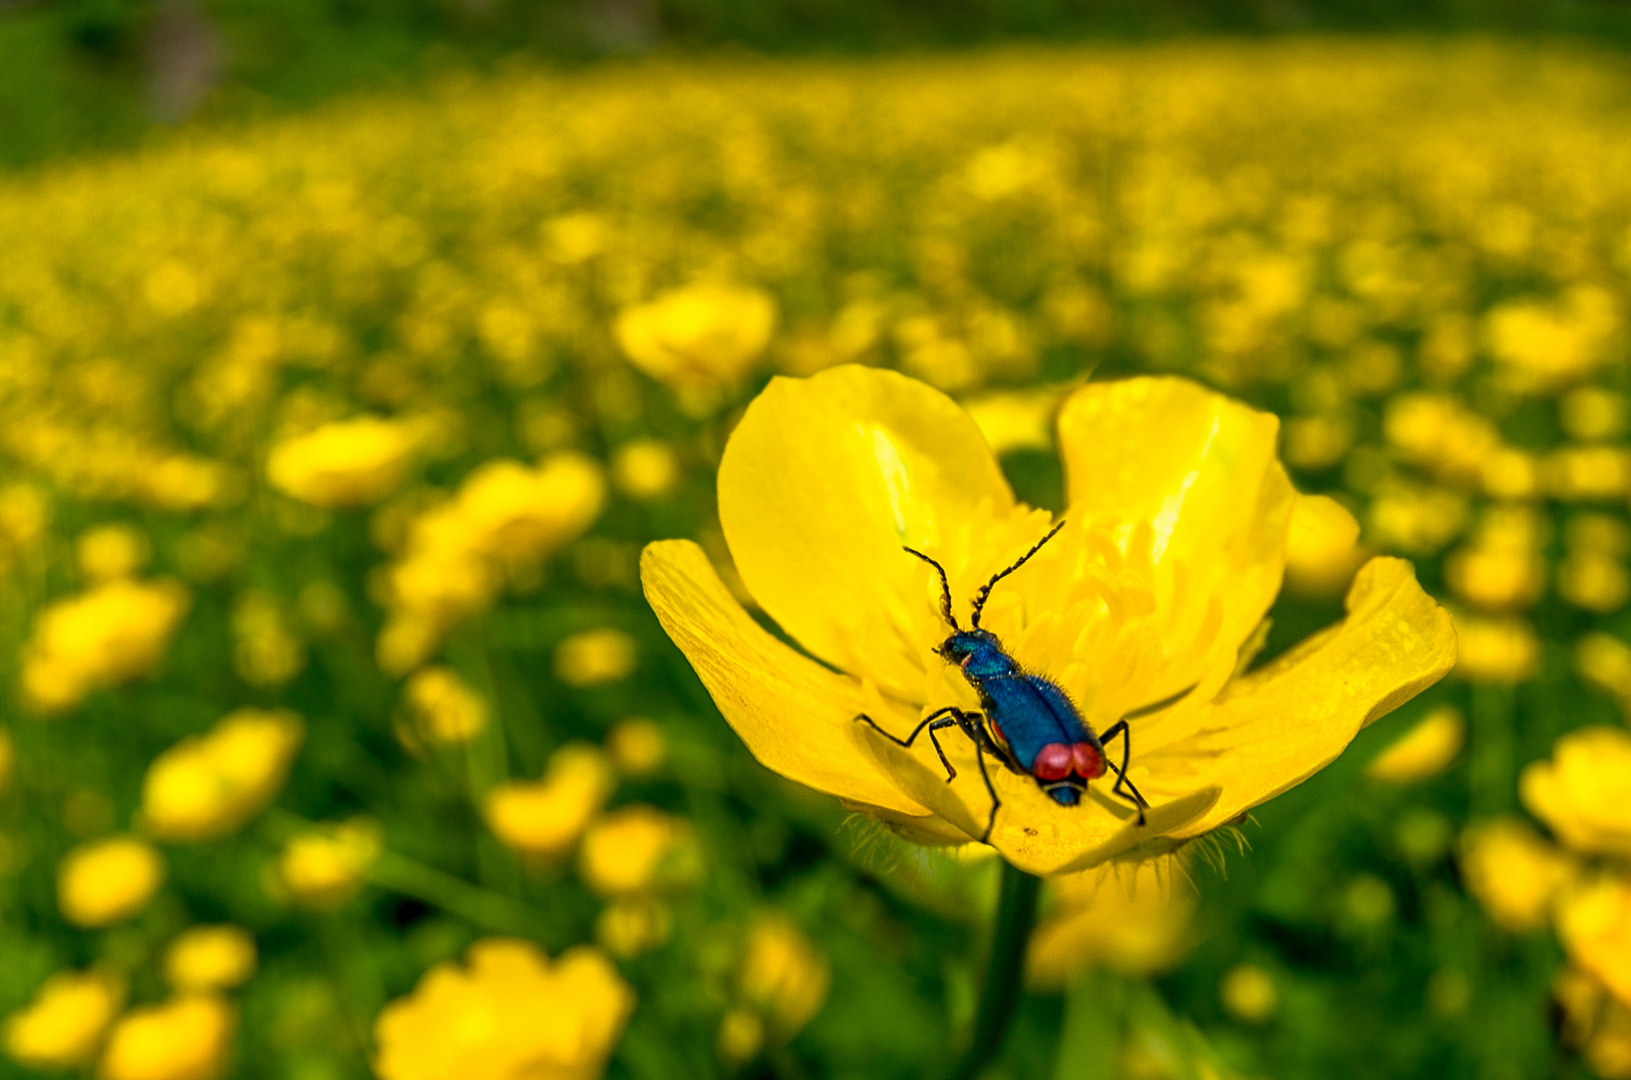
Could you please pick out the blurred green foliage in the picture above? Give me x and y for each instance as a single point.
(75, 74)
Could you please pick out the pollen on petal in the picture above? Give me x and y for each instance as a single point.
(1052, 762)
(1086, 761)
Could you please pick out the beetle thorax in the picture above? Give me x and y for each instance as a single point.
(979, 654)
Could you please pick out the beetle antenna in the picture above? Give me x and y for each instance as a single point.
(985, 590)
(945, 589)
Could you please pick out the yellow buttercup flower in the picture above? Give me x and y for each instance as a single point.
(1137, 924)
(636, 745)
(645, 469)
(637, 849)
(324, 868)
(503, 521)
(107, 881)
(349, 463)
(1423, 751)
(209, 785)
(544, 819)
(1173, 551)
(207, 958)
(111, 551)
(63, 1026)
(632, 925)
(1605, 660)
(266, 650)
(1584, 792)
(1596, 1022)
(446, 710)
(107, 635)
(1594, 924)
(185, 1038)
(1513, 872)
(1322, 547)
(1496, 650)
(508, 1013)
(699, 336)
(784, 976)
(595, 657)
(1249, 993)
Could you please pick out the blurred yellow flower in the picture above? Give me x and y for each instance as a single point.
(1497, 578)
(784, 976)
(8, 758)
(636, 745)
(107, 881)
(638, 849)
(185, 1038)
(204, 958)
(1587, 473)
(1605, 660)
(741, 1035)
(544, 819)
(631, 925)
(1134, 923)
(1249, 993)
(446, 710)
(1016, 419)
(1595, 1022)
(106, 635)
(645, 469)
(1594, 924)
(1173, 552)
(62, 1027)
(111, 551)
(1590, 413)
(699, 336)
(1439, 433)
(209, 785)
(1322, 547)
(1424, 751)
(348, 463)
(324, 868)
(1496, 650)
(1540, 347)
(1583, 793)
(266, 650)
(595, 657)
(504, 520)
(1513, 872)
(1594, 581)
(508, 1013)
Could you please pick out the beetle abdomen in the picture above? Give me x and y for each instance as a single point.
(1033, 714)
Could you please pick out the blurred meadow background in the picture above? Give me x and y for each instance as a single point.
(350, 352)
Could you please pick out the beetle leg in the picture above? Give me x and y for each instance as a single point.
(1120, 728)
(940, 718)
(940, 725)
(996, 803)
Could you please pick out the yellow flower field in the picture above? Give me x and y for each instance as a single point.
(343, 737)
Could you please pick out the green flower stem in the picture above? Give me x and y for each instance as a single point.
(487, 909)
(1004, 967)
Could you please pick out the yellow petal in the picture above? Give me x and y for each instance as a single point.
(1275, 727)
(793, 714)
(821, 484)
(1200, 470)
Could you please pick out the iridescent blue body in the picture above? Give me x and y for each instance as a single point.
(1030, 716)
(1027, 722)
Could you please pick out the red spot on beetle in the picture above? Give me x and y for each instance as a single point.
(1052, 762)
(1086, 762)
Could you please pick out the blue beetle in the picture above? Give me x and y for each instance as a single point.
(1029, 723)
